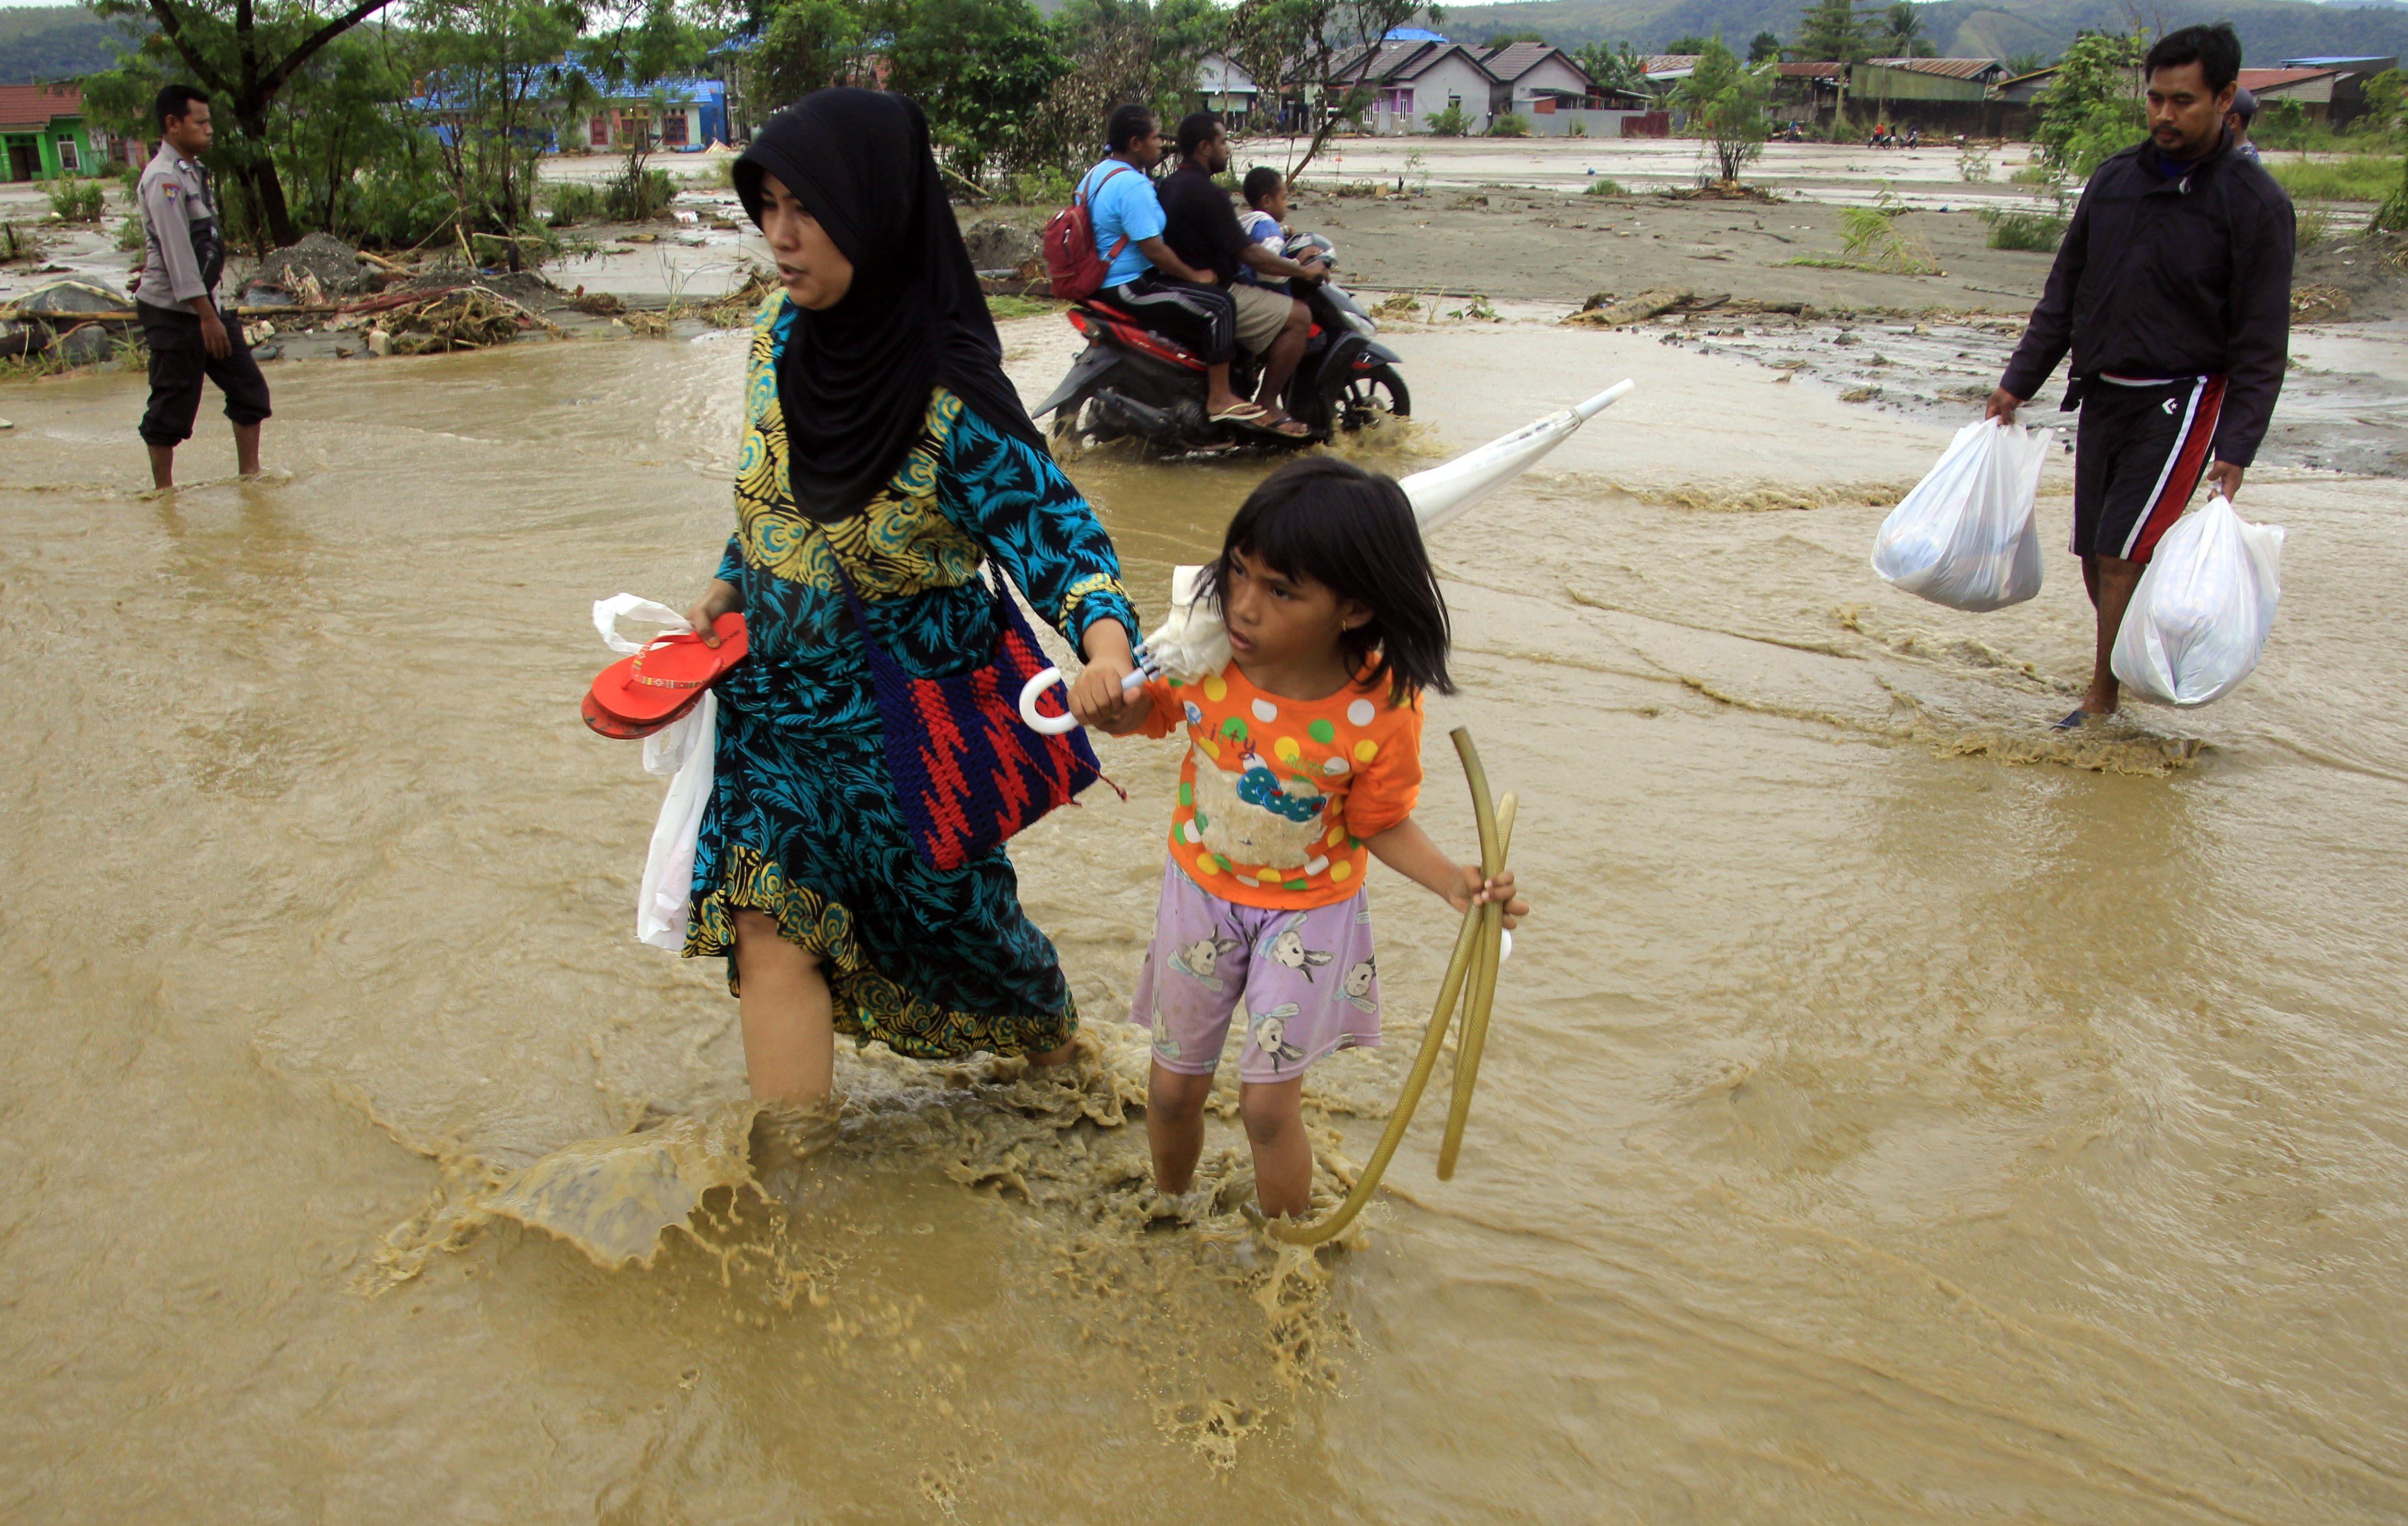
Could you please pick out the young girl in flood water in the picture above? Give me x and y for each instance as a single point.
(1303, 757)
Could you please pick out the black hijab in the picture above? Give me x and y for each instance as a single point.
(854, 379)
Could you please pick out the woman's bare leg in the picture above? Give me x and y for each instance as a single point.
(789, 1021)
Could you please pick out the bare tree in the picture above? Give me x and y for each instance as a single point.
(1323, 49)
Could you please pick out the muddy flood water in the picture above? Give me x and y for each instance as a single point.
(1890, 1114)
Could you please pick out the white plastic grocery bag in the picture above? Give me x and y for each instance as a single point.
(1964, 537)
(2198, 619)
(684, 750)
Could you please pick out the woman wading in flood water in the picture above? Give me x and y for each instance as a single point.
(884, 456)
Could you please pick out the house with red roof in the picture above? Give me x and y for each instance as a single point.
(43, 133)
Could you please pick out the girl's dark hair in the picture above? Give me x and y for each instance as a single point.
(1352, 531)
(1128, 124)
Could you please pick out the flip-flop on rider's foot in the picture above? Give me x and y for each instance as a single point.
(669, 673)
(1243, 413)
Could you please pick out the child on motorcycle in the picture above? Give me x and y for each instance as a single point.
(1303, 762)
(1266, 212)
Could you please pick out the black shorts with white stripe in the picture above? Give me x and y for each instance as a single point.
(2137, 459)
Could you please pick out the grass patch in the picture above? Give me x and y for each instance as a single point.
(1604, 185)
(1000, 308)
(2361, 176)
(2037, 232)
(1833, 262)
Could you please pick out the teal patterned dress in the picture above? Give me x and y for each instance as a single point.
(803, 823)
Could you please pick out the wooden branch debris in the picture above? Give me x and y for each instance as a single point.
(1601, 312)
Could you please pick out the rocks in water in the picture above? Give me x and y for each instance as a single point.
(999, 245)
(76, 294)
(86, 344)
(260, 293)
(333, 266)
(16, 339)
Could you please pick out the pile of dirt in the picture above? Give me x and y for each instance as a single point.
(2362, 275)
(322, 260)
(999, 245)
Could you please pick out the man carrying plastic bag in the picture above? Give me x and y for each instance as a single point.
(2172, 290)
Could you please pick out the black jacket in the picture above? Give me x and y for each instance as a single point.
(2160, 278)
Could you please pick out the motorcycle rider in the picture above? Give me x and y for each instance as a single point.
(1145, 278)
(1203, 228)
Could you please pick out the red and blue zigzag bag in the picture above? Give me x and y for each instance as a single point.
(967, 773)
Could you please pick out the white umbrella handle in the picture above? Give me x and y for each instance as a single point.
(1057, 725)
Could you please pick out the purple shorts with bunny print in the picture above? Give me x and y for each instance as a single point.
(1306, 977)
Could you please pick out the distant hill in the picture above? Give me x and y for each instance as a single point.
(2271, 30)
(39, 43)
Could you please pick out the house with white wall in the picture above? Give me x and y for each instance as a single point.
(1413, 79)
(1527, 73)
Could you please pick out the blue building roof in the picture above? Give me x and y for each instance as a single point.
(1415, 34)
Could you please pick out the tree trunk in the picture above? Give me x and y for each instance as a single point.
(259, 174)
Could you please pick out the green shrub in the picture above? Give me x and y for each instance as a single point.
(1605, 185)
(2315, 223)
(1046, 187)
(75, 201)
(1578, 129)
(572, 202)
(1511, 124)
(1450, 123)
(2036, 231)
(129, 233)
(2361, 176)
(641, 199)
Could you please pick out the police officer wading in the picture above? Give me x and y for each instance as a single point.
(177, 297)
(2173, 291)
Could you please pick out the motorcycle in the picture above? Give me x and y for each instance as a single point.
(1131, 381)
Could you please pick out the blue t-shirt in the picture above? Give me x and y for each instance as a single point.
(1122, 206)
(1264, 229)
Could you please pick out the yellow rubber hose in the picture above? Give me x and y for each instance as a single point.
(1487, 952)
(1497, 834)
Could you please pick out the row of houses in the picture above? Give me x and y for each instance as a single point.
(1978, 97)
(45, 133)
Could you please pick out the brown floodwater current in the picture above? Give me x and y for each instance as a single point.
(1891, 1114)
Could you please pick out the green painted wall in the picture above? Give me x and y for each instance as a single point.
(50, 161)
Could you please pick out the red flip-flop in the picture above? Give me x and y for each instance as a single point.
(603, 724)
(669, 675)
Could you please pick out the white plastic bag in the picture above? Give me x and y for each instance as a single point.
(2199, 620)
(684, 750)
(1964, 537)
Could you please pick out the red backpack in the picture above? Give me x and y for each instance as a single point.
(1072, 266)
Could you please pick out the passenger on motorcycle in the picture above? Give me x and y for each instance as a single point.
(1266, 212)
(1145, 279)
(1203, 228)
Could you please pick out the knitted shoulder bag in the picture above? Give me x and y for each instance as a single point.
(967, 773)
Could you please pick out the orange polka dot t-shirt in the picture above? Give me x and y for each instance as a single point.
(1278, 795)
